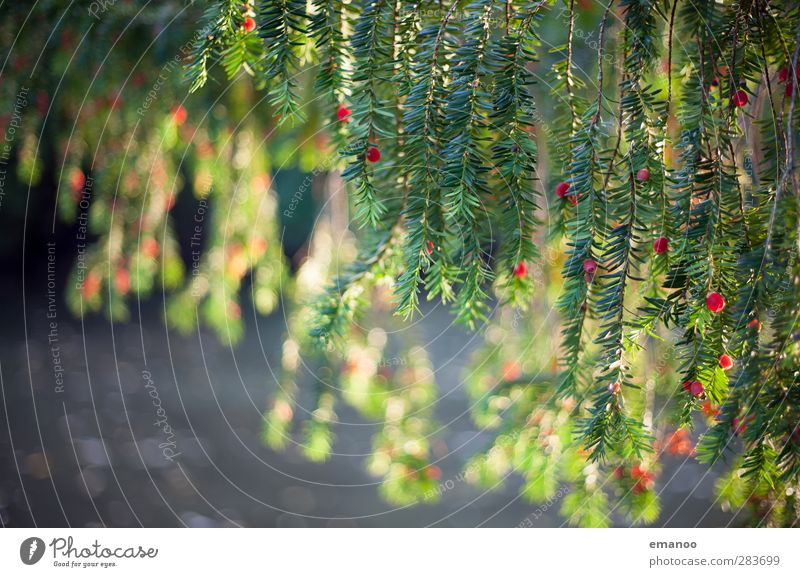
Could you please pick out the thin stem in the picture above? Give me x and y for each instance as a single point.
(570, 95)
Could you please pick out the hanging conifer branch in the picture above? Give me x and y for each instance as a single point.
(326, 26)
(574, 302)
(372, 51)
(514, 153)
(281, 22)
(464, 179)
(424, 251)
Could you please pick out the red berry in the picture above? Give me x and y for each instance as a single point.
(77, 180)
(91, 285)
(679, 443)
(249, 24)
(725, 362)
(430, 246)
(343, 113)
(755, 324)
(614, 388)
(512, 370)
(169, 202)
(661, 245)
(561, 191)
(433, 472)
(715, 302)
(150, 247)
(739, 425)
(740, 98)
(783, 74)
(520, 269)
(643, 478)
(693, 387)
(258, 247)
(122, 280)
(589, 266)
(179, 115)
(643, 483)
(643, 175)
(373, 154)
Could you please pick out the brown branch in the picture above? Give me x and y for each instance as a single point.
(570, 95)
(600, 40)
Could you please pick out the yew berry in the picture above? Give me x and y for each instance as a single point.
(343, 113)
(725, 362)
(512, 370)
(783, 74)
(429, 246)
(589, 266)
(77, 180)
(643, 175)
(258, 247)
(643, 478)
(179, 115)
(150, 247)
(249, 24)
(122, 280)
(693, 387)
(91, 285)
(740, 98)
(562, 188)
(661, 245)
(433, 472)
(715, 302)
(373, 154)
(755, 324)
(520, 269)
